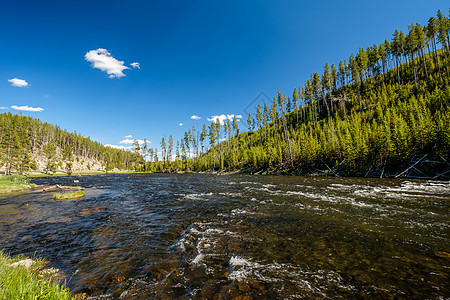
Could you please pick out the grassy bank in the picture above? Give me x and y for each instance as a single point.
(19, 282)
(13, 183)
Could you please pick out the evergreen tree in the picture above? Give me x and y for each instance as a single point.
(68, 158)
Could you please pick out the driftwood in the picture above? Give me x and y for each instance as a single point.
(331, 171)
(367, 173)
(320, 171)
(411, 166)
(442, 174)
(58, 187)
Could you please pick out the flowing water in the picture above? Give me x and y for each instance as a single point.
(202, 236)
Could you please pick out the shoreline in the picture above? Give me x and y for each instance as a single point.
(287, 172)
(31, 278)
(19, 183)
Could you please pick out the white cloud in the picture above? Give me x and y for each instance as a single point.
(195, 117)
(27, 108)
(18, 82)
(3, 107)
(128, 136)
(101, 59)
(180, 124)
(131, 141)
(119, 147)
(136, 65)
(223, 117)
(127, 141)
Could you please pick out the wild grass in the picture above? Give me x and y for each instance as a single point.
(13, 183)
(69, 195)
(19, 282)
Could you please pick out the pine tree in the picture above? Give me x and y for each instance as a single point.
(164, 150)
(212, 140)
(203, 135)
(68, 158)
(431, 35)
(443, 27)
(170, 148)
(50, 153)
(295, 98)
(420, 40)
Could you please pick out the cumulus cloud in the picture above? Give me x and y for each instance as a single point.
(119, 147)
(195, 117)
(180, 124)
(27, 108)
(223, 117)
(3, 107)
(101, 59)
(136, 65)
(18, 82)
(128, 141)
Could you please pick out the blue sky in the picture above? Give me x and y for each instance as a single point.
(196, 58)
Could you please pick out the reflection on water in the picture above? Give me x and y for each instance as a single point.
(206, 236)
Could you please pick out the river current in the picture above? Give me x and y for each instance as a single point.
(202, 236)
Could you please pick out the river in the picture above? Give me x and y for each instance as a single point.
(139, 236)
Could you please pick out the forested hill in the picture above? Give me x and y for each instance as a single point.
(379, 112)
(27, 144)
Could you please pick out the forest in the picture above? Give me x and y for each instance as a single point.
(381, 110)
(24, 140)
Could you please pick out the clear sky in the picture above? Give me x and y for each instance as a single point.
(203, 58)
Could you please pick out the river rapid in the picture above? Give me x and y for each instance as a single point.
(202, 236)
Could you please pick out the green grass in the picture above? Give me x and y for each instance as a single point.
(21, 283)
(69, 195)
(13, 183)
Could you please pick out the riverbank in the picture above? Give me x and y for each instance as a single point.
(20, 183)
(24, 278)
(60, 173)
(411, 171)
(14, 183)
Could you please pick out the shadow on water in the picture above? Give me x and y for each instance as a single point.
(206, 236)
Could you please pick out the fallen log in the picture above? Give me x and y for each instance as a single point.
(331, 171)
(439, 175)
(411, 166)
(57, 187)
(66, 187)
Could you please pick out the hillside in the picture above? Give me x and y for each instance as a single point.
(378, 113)
(27, 145)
